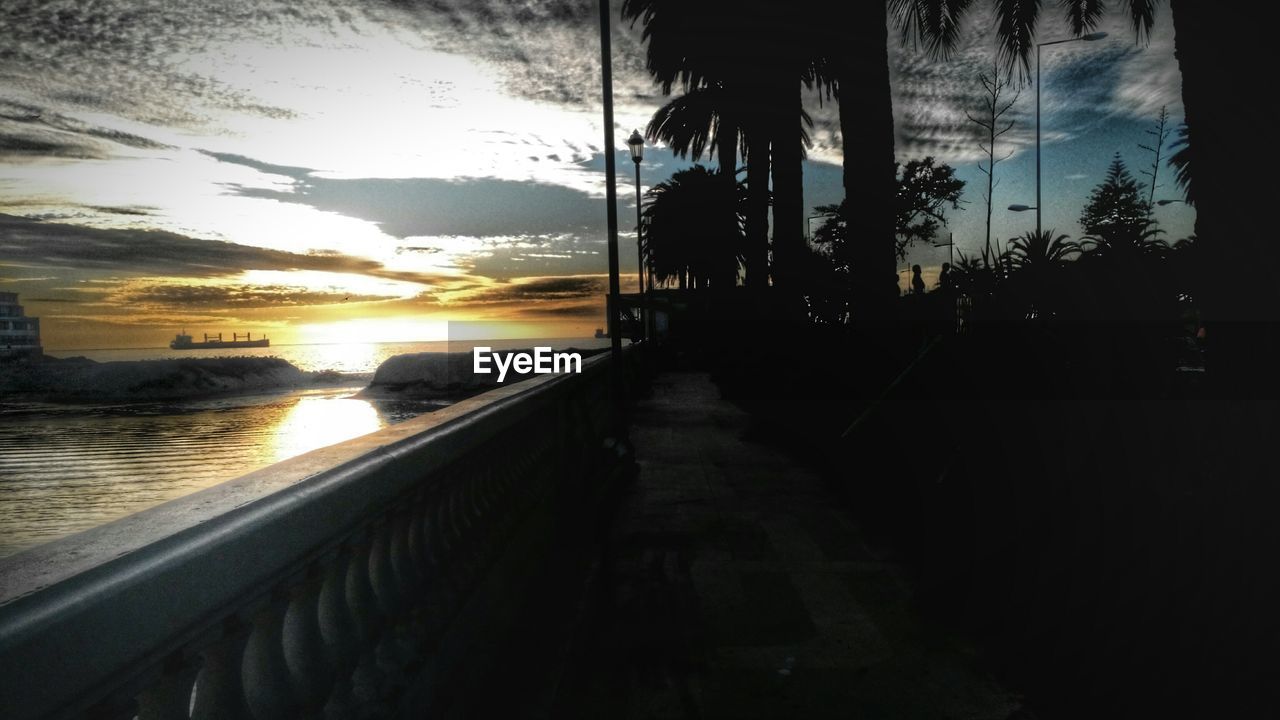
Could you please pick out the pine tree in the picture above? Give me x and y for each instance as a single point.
(1117, 204)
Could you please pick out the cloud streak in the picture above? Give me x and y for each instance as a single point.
(41, 244)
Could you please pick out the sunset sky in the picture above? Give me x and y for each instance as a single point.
(320, 172)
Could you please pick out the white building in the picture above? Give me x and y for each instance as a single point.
(19, 334)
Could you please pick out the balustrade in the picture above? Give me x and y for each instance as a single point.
(319, 587)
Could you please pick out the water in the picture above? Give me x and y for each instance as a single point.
(66, 468)
(347, 358)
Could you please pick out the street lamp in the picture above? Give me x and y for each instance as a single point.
(1022, 208)
(1087, 38)
(635, 143)
(808, 224)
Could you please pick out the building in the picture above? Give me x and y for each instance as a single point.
(19, 334)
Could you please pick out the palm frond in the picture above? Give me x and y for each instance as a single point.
(1083, 15)
(931, 24)
(1016, 31)
(1181, 162)
(1142, 13)
(688, 123)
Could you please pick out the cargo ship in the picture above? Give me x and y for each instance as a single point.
(183, 341)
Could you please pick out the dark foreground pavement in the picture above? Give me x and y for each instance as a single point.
(735, 585)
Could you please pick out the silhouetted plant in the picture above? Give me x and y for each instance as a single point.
(1116, 205)
(1181, 162)
(1126, 242)
(1126, 277)
(1037, 263)
(982, 276)
(1161, 134)
(925, 191)
(693, 224)
(1034, 252)
(991, 120)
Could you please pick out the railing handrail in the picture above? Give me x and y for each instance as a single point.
(96, 608)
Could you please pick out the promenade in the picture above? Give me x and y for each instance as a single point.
(735, 585)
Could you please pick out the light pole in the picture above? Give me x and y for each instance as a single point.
(620, 443)
(1087, 38)
(636, 144)
(808, 224)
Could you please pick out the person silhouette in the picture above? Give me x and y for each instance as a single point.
(945, 283)
(917, 282)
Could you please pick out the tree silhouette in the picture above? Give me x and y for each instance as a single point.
(924, 192)
(990, 119)
(1156, 148)
(747, 61)
(694, 227)
(1116, 206)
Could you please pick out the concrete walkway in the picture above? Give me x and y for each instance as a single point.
(736, 586)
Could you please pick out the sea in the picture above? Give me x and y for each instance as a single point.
(67, 468)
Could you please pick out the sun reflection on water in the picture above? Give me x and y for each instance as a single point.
(317, 421)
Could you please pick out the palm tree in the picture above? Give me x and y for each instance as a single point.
(694, 229)
(856, 69)
(1037, 262)
(751, 57)
(1182, 167)
(1036, 251)
(693, 123)
(697, 46)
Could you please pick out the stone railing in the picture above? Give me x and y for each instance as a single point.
(346, 582)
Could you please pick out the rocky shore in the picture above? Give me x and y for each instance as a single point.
(79, 379)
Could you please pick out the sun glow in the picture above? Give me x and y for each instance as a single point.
(374, 330)
(316, 422)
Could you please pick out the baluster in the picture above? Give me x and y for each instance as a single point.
(171, 696)
(441, 593)
(362, 603)
(219, 692)
(418, 554)
(382, 578)
(460, 560)
(404, 565)
(340, 633)
(268, 686)
(312, 668)
(390, 654)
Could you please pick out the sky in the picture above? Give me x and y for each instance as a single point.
(322, 171)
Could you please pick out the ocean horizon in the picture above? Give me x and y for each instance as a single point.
(356, 358)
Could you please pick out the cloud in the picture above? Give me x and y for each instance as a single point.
(533, 292)
(127, 58)
(233, 296)
(39, 244)
(1084, 86)
(29, 131)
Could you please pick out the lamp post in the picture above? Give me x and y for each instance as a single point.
(635, 143)
(620, 443)
(1087, 38)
